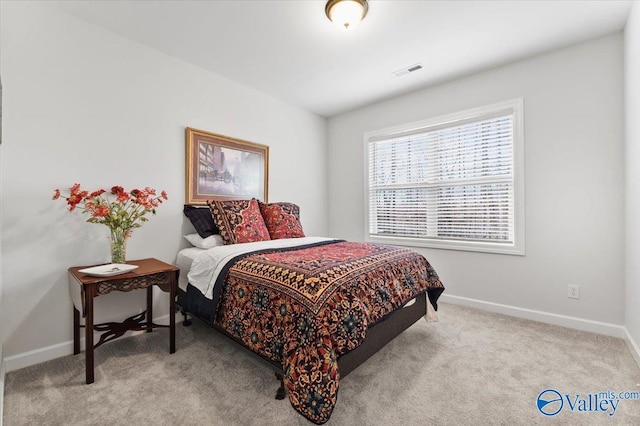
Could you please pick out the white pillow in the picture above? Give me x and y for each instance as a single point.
(205, 243)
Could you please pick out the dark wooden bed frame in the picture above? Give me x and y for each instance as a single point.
(378, 335)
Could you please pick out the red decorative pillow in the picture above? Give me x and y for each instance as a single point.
(282, 220)
(239, 221)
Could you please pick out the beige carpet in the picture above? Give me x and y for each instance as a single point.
(471, 368)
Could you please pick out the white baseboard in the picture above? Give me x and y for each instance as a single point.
(540, 316)
(633, 346)
(2, 373)
(37, 356)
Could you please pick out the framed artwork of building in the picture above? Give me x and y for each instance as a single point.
(223, 168)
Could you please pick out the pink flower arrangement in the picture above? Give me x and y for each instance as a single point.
(125, 212)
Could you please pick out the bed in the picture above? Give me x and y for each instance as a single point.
(312, 308)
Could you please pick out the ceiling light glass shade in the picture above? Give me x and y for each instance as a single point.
(346, 13)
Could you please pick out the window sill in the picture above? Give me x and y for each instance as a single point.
(494, 248)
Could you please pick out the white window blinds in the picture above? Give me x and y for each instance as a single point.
(447, 181)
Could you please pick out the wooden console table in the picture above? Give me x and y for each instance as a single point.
(150, 272)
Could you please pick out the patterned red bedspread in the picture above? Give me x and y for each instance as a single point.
(305, 307)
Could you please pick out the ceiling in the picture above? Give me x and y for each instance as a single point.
(290, 50)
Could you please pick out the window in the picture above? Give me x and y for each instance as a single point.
(452, 182)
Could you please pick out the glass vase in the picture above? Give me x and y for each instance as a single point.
(118, 242)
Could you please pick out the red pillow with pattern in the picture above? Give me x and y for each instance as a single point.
(282, 220)
(239, 221)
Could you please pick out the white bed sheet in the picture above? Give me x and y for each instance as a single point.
(207, 264)
(184, 261)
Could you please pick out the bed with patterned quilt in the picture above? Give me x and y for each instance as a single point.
(306, 303)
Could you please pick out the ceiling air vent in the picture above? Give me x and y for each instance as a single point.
(407, 70)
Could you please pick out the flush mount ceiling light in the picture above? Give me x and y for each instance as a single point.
(346, 13)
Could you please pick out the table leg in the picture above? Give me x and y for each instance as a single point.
(172, 313)
(76, 331)
(88, 332)
(149, 309)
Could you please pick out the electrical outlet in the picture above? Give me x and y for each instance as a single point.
(574, 291)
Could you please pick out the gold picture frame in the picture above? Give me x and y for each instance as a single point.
(220, 167)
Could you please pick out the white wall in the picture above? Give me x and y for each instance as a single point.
(1, 356)
(573, 118)
(84, 105)
(632, 176)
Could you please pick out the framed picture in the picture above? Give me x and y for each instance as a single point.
(223, 168)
